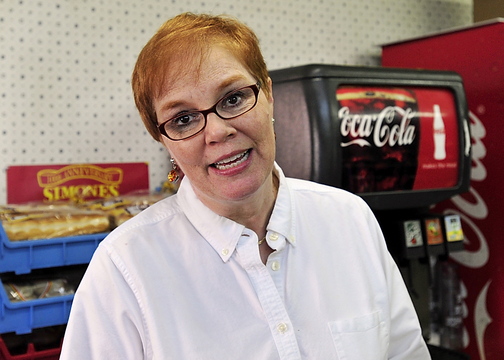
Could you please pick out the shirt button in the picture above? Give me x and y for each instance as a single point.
(282, 328)
(224, 252)
(273, 236)
(275, 266)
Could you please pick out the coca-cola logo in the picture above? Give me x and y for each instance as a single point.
(391, 126)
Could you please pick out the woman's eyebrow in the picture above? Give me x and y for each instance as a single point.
(172, 105)
(226, 83)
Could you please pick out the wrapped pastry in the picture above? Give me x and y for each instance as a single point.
(38, 289)
(44, 221)
(122, 208)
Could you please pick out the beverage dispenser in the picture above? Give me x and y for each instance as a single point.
(399, 138)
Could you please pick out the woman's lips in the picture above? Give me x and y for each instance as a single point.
(232, 161)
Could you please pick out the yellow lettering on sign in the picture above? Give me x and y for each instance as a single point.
(80, 192)
(52, 178)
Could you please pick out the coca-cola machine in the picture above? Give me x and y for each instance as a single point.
(400, 139)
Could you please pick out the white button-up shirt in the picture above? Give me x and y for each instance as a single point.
(181, 282)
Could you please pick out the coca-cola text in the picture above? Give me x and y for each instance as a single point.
(381, 126)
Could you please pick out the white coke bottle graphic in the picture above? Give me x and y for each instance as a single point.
(438, 128)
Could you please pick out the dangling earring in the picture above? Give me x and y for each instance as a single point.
(173, 175)
(273, 121)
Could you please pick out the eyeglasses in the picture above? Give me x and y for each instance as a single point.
(230, 106)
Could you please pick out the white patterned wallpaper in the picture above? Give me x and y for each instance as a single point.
(65, 65)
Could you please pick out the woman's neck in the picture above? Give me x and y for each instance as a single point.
(254, 211)
(255, 214)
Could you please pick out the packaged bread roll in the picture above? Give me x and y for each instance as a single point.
(124, 207)
(44, 221)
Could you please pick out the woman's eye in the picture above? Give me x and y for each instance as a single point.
(233, 100)
(183, 120)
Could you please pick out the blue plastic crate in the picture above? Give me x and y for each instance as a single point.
(23, 256)
(24, 316)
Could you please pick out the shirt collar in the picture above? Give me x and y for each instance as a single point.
(282, 217)
(222, 233)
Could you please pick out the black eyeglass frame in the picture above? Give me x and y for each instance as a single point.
(255, 88)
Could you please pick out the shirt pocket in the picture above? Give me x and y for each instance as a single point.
(361, 338)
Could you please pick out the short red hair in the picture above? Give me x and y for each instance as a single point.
(185, 39)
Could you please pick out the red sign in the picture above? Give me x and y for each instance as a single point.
(477, 54)
(75, 182)
(398, 138)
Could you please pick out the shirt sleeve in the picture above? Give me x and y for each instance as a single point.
(406, 340)
(104, 323)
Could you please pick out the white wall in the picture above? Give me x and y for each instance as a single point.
(65, 65)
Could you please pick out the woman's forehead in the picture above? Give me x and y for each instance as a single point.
(218, 67)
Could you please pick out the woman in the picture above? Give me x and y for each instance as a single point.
(241, 263)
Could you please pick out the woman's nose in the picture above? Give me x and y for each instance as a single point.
(217, 129)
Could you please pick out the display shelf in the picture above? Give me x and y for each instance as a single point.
(41, 344)
(24, 256)
(31, 354)
(48, 308)
(23, 317)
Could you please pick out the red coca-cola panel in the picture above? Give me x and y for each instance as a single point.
(477, 54)
(398, 138)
